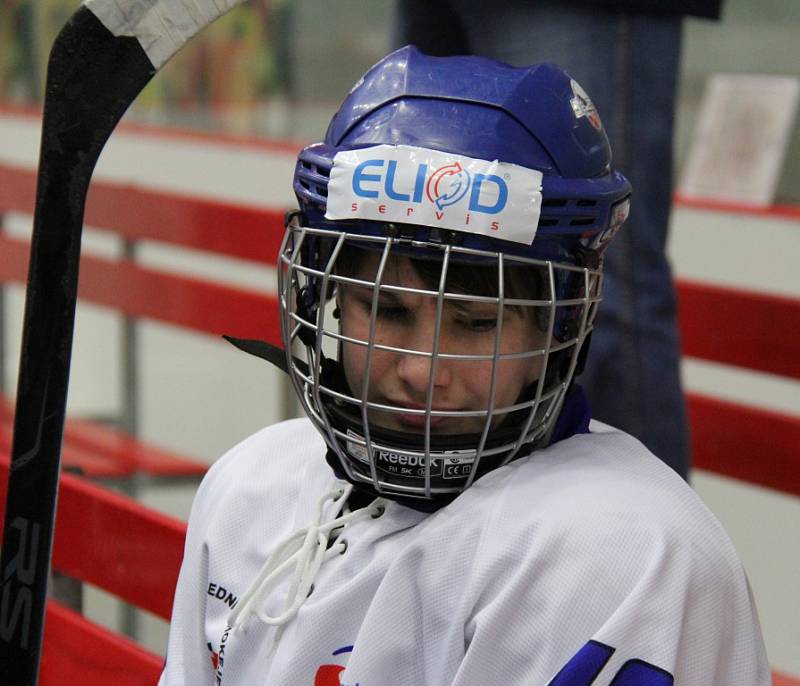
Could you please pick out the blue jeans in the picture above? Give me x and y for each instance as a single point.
(628, 63)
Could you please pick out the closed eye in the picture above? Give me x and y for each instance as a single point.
(389, 309)
(478, 324)
(391, 312)
(474, 319)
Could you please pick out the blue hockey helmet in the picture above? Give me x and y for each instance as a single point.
(470, 165)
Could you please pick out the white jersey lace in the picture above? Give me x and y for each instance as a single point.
(305, 550)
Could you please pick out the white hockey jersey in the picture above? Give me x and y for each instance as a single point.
(587, 563)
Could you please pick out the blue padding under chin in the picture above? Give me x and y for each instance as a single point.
(574, 417)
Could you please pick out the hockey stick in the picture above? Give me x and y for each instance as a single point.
(99, 63)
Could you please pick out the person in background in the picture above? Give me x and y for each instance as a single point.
(626, 53)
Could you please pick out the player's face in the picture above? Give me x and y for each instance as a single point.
(408, 321)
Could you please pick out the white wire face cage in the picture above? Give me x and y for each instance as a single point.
(426, 365)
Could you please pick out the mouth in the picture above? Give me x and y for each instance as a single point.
(419, 419)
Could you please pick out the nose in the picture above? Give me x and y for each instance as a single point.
(415, 370)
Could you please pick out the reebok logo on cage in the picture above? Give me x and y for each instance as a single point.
(449, 464)
(414, 185)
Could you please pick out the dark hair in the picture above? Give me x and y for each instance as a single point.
(520, 281)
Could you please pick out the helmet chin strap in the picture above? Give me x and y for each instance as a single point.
(265, 351)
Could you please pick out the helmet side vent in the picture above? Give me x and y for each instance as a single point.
(554, 202)
(316, 169)
(312, 175)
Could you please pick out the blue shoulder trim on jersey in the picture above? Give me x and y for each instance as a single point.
(574, 417)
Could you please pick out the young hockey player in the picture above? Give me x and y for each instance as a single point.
(447, 514)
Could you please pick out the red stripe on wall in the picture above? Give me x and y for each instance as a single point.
(137, 291)
(746, 443)
(137, 213)
(733, 326)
